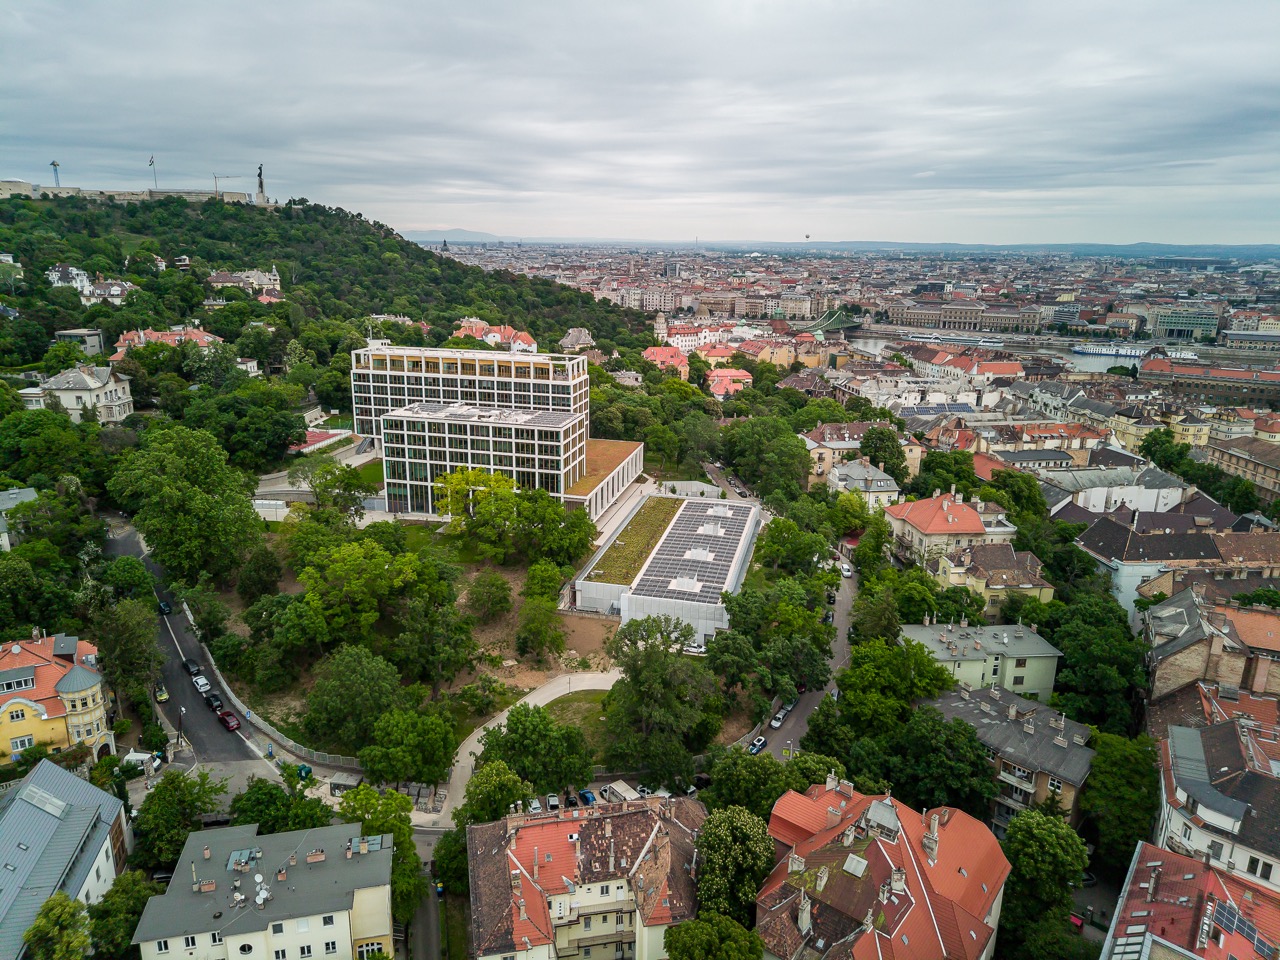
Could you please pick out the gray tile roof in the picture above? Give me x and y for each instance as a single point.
(308, 889)
(45, 824)
(1038, 749)
(10, 499)
(1022, 641)
(76, 679)
(1191, 772)
(83, 377)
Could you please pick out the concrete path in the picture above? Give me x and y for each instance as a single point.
(464, 763)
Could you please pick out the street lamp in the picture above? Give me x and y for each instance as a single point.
(182, 712)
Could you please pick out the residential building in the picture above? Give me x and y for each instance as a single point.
(607, 880)
(1219, 801)
(89, 341)
(65, 275)
(1255, 459)
(668, 358)
(1131, 425)
(113, 292)
(174, 337)
(1192, 638)
(724, 382)
(423, 442)
(81, 388)
(875, 486)
(1181, 908)
(809, 382)
(1013, 656)
(867, 877)
(1232, 386)
(1102, 489)
(832, 443)
(51, 692)
(994, 571)
(8, 500)
(59, 834)
(386, 378)
(927, 529)
(578, 338)
(1036, 751)
(318, 893)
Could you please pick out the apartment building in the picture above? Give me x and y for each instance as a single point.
(994, 571)
(1183, 322)
(1232, 386)
(927, 529)
(422, 442)
(386, 378)
(594, 883)
(876, 487)
(319, 894)
(1037, 752)
(82, 388)
(1013, 656)
(1254, 459)
(58, 833)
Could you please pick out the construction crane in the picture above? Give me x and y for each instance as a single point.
(216, 178)
(57, 182)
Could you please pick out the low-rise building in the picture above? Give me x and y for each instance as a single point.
(875, 486)
(58, 833)
(612, 878)
(1013, 656)
(1036, 751)
(83, 388)
(832, 443)
(924, 530)
(994, 571)
(89, 341)
(668, 358)
(867, 877)
(8, 500)
(174, 337)
(323, 892)
(51, 692)
(724, 382)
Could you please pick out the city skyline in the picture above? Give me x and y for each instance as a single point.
(917, 123)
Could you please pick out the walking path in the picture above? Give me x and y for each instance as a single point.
(464, 763)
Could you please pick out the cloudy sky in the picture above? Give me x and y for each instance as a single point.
(925, 120)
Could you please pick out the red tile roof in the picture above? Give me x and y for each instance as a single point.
(943, 514)
(49, 669)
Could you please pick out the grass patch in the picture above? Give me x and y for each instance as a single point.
(629, 550)
(340, 422)
(653, 467)
(584, 710)
(466, 722)
(371, 472)
(453, 927)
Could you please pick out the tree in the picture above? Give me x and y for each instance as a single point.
(731, 657)
(735, 854)
(1046, 859)
(259, 576)
(881, 446)
(170, 812)
(339, 490)
(351, 584)
(541, 631)
(874, 615)
(389, 813)
(60, 930)
(1121, 796)
(782, 544)
(277, 809)
(190, 505)
(409, 746)
(114, 918)
(126, 634)
(755, 783)
(936, 763)
(435, 643)
(490, 793)
(128, 577)
(354, 687)
(489, 595)
(548, 754)
(451, 861)
(712, 937)
(543, 580)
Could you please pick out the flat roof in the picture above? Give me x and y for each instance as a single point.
(1022, 641)
(447, 353)
(695, 556)
(467, 413)
(603, 457)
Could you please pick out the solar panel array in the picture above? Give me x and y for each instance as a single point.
(934, 409)
(679, 568)
(1230, 920)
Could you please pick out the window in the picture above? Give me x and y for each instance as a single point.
(304, 925)
(246, 948)
(280, 954)
(586, 924)
(188, 942)
(215, 938)
(331, 946)
(1019, 681)
(620, 920)
(16, 715)
(1055, 784)
(162, 946)
(604, 891)
(327, 920)
(1259, 868)
(21, 743)
(586, 952)
(1215, 849)
(277, 928)
(366, 950)
(304, 951)
(1186, 831)
(1020, 662)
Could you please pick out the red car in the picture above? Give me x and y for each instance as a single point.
(229, 720)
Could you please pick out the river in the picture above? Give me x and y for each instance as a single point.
(1085, 363)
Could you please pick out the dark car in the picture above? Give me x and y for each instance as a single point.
(229, 720)
(831, 598)
(828, 617)
(570, 799)
(213, 701)
(701, 781)
(587, 797)
(192, 667)
(758, 744)
(165, 609)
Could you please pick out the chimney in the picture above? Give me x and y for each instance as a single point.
(804, 920)
(898, 881)
(364, 845)
(869, 920)
(293, 859)
(930, 841)
(795, 863)
(823, 874)
(1028, 725)
(535, 863)
(953, 490)
(608, 827)
(1013, 711)
(847, 837)
(515, 881)
(207, 854)
(832, 780)
(885, 888)
(523, 914)
(964, 623)
(611, 855)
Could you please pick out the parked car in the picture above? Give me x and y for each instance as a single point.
(758, 744)
(846, 570)
(778, 717)
(229, 720)
(828, 617)
(165, 609)
(192, 666)
(161, 693)
(792, 705)
(831, 598)
(570, 798)
(1087, 879)
(553, 802)
(701, 781)
(587, 797)
(201, 684)
(533, 805)
(213, 701)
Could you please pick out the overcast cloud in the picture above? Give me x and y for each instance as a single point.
(929, 120)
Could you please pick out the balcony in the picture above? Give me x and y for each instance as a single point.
(620, 935)
(1013, 779)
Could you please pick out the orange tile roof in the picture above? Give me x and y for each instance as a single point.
(943, 514)
(38, 653)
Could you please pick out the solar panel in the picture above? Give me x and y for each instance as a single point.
(1230, 920)
(695, 556)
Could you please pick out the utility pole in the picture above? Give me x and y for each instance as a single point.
(57, 181)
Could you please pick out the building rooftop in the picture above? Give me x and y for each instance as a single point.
(465, 413)
(321, 880)
(699, 552)
(603, 457)
(950, 643)
(1022, 731)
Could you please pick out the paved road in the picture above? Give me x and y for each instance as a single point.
(425, 931)
(210, 741)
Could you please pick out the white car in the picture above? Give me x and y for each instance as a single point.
(778, 717)
(846, 570)
(534, 805)
(202, 685)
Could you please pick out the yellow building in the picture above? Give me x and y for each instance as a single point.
(1187, 427)
(994, 571)
(1131, 425)
(52, 693)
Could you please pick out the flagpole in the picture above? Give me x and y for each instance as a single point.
(154, 179)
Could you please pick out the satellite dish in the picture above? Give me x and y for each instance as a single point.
(257, 878)
(259, 898)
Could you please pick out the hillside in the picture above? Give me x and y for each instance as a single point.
(334, 265)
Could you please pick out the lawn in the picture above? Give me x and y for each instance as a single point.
(654, 467)
(584, 710)
(372, 472)
(629, 550)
